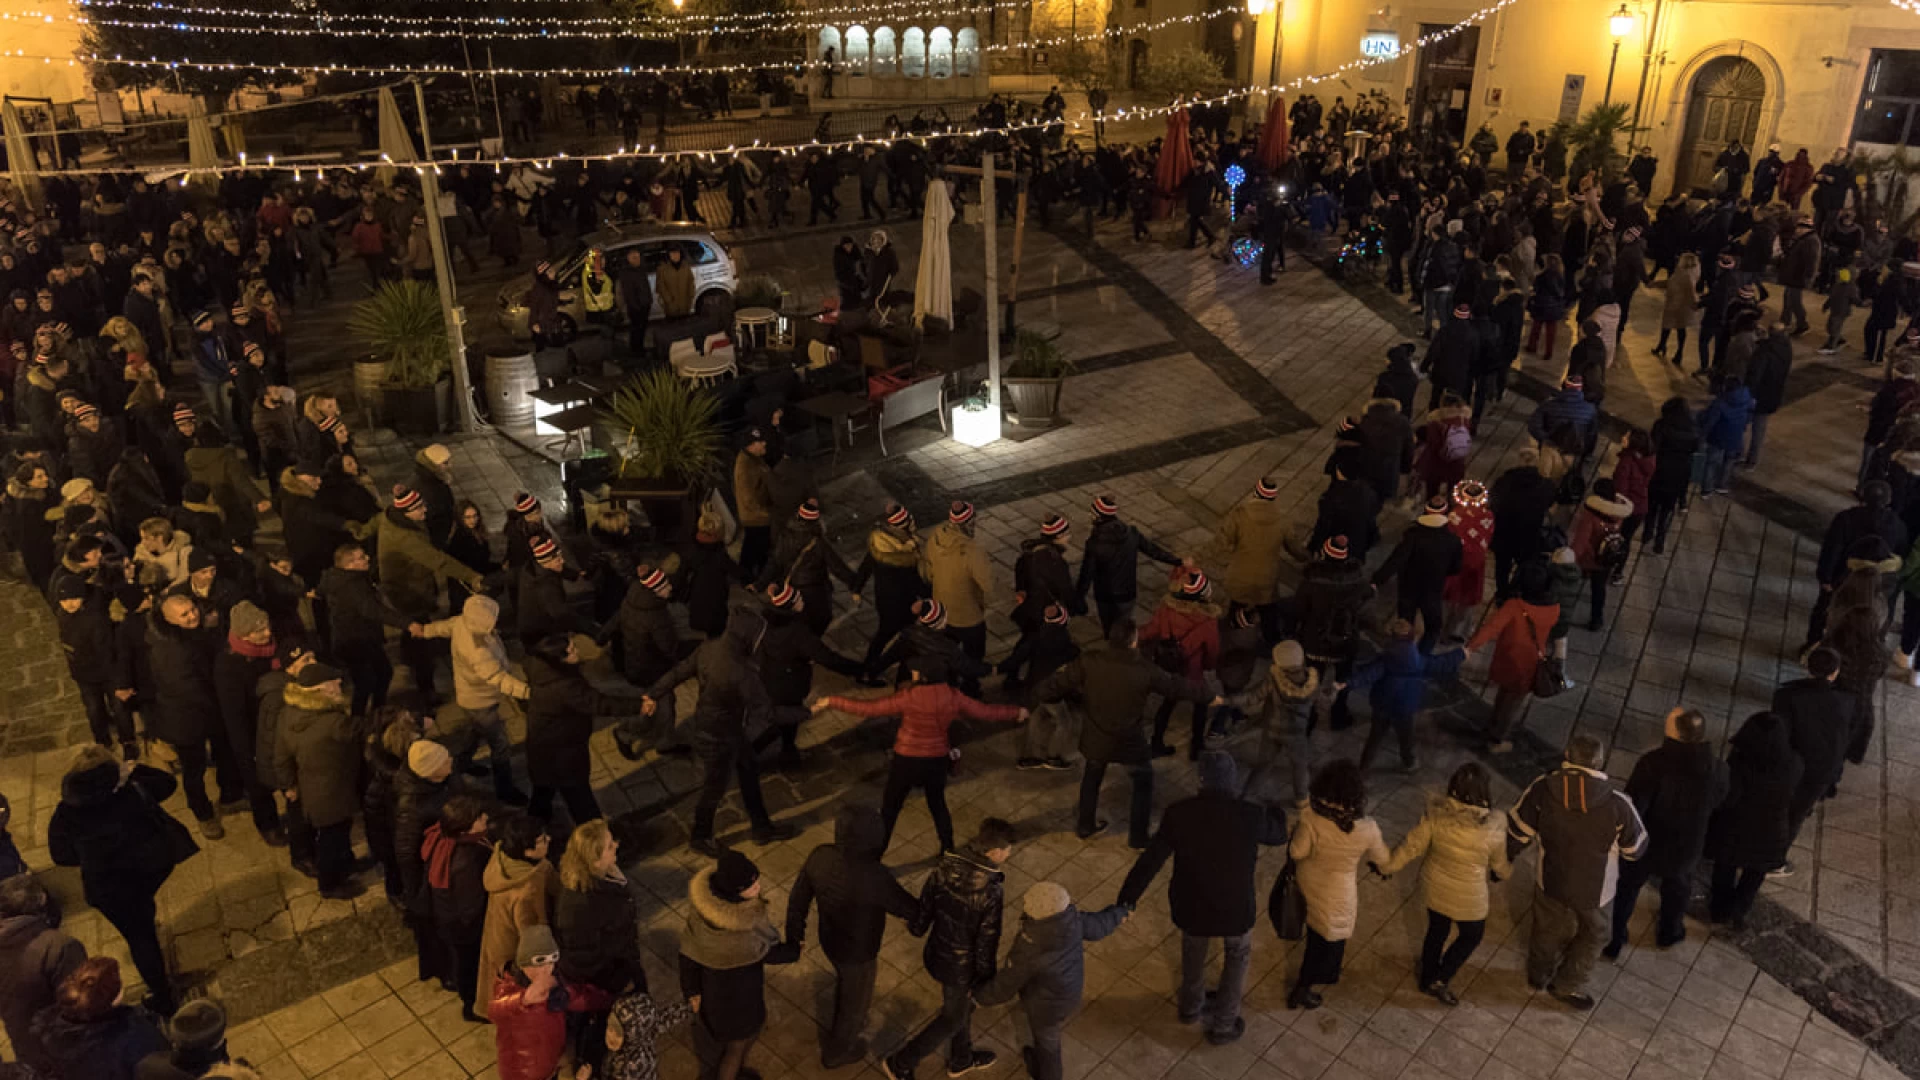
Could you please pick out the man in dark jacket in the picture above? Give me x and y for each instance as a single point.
(1386, 447)
(1872, 517)
(1046, 969)
(1427, 555)
(1041, 578)
(959, 913)
(35, 958)
(733, 701)
(1214, 839)
(1450, 358)
(1350, 507)
(1767, 381)
(925, 640)
(96, 657)
(649, 646)
(1113, 684)
(1582, 822)
(1799, 263)
(433, 479)
(856, 894)
(1333, 587)
(786, 658)
(186, 712)
(1676, 786)
(1520, 500)
(1110, 563)
(247, 655)
(1568, 406)
(317, 754)
(1820, 720)
(544, 609)
(1201, 186)
(357, 617)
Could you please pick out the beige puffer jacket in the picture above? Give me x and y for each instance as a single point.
(1252, 533)
(481, 677)
(1461, 843)
(1327, 865)
(956, 566)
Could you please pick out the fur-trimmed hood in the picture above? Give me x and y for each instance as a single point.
(1617, 508)
(291, 483)
(1294, 684)
(722, 935)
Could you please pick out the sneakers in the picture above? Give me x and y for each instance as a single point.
(982, 1059)
(212, 829)
(894, 1069)
(1827, 350)
(1902, 661)
(852, 1055)
(1786, 870)
(1576, 999)
(1303, 997)
(1611, 954)
(1030, 764)
(1230, 1034)
(1088, 834)
(1056, 764)
(1913, 677)
(1441, 993)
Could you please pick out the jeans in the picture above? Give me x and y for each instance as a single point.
(489, 728)
(1734, 890)
(1756, 436)
(1793, 309)
(930, 775)
(1139, 810)
(1043, 1059)
(1719, 469)
(717, 768)
(1440, 962)
(1224, 1010)
(1675, 890)
(852, 1000)
(952, 1026)
(1564, 944)
(1436, 307)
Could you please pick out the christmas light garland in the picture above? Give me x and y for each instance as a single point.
(185, 172)
(686, 23)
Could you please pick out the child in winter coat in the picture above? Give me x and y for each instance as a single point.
(1464, 840)
(1565, 584)
(1283, 700)
(1399, 677)
(1633, 481)
(529, 1007)
(633, 1029)
(1723, 426)
(1445, 443)
(1840, 300)
(1046, 969)
(1598, 544)
(1472, 522)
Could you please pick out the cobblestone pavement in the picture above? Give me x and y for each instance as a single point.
(1199, 382)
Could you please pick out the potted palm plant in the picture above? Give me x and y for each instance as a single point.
(665, 439)
(403, 325)
(1033, 381)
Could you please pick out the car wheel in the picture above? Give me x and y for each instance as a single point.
(714, 303)
(565, 329)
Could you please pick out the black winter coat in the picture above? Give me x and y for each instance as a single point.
(1214, 840)
(1040, 574)
(706, 583)
(1751, 828)
(1349, 508)
(1520, 500)
(1673, 447)
(1327, 607)
(786, 657)
(106, 1049)
(91, 643)
(1450, 358)
(1111, 561)
(416, 805)
(560, 713)
(1386, 448)
(1850, 526)
(733, 699)
(1767, 373)
(959, 911)
(1426, 556)
(1676, 787)
(188, 708)
(917, 645)
(1046, 967)
(34, 959)
(312, 530)
(439, 499)
(543, 605)
(599, 935)
(649, 644)
(1113, 685)
(460, 909)
(855, 892)
(116, 833)
(358, 615)
(1820, 721)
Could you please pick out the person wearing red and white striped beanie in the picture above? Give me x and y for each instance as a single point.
(1254, 535)
(787, 655)
(892, 563)
(1333, 589)
(1041, 579)
(805, 559)
(411, 570)
(962, 578)
(1426, 556)
(1110, 564)
(1191, 623)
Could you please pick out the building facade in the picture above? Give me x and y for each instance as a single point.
(30, 77)
(1806, 74)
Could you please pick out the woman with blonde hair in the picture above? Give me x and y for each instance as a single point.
(1682, 306)
(596, 923)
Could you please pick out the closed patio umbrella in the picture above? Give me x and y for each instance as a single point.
(1176, 161)
(22, 166)
(933, 279)
(1273, 150)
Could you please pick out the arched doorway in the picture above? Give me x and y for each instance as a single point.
(1724, 103)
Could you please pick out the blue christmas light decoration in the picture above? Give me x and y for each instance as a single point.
(1234, 176)
(1246, 251)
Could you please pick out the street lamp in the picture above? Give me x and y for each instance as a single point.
(1619, 24)
(680, 45)
(1256, 9)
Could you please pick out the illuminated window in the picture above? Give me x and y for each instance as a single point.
(885, 55)
(940, 53)
(857, 51)
(913, 53)
(966, 55)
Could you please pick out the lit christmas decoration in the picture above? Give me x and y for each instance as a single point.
(1234, 176)
(1246, 251)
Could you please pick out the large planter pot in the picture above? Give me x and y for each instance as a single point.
(369, 388)
(1036, 402)
(419, 410)
(671, 505)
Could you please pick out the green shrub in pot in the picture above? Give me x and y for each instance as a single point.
(402, 323)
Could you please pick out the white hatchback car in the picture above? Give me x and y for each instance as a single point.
(714, 273)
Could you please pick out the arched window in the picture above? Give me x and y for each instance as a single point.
(857, 50)
(913, 53)
(885, 55)
(940, 53)
(966, 55)
(829, 39)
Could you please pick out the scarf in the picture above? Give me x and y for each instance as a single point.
(242, 647)
(437, 851)
(1343, 816)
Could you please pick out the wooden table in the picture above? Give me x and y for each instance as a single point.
(839, 410)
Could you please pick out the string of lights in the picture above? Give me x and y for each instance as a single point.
(303, 70)
(684, 23)
(1078, 123)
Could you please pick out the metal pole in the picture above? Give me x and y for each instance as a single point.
(1646, 66)
(989, 214)
(443, 270)
(493, 84)
(1019, 235)
(1606, 97)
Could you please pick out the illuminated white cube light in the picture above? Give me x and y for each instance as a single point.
(542, 410)
(976, 427)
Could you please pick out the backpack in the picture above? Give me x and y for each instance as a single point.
(1168, 656)
(1611, 552)
(1456, 442)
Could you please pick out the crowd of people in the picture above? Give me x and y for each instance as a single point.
(159, 436)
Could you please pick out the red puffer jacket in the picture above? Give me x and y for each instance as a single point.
(529, 1038)
(925, 712)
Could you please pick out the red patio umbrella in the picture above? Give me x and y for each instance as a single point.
(1176, 161)
(1274, 150)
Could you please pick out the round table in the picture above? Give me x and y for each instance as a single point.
(751, 325)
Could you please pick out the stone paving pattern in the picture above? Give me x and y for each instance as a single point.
(1248, 381)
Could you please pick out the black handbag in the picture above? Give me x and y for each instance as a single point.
(1287, 906)
(1550, 674)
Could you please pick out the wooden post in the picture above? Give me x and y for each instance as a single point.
(988, 214)
(1019, 234)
